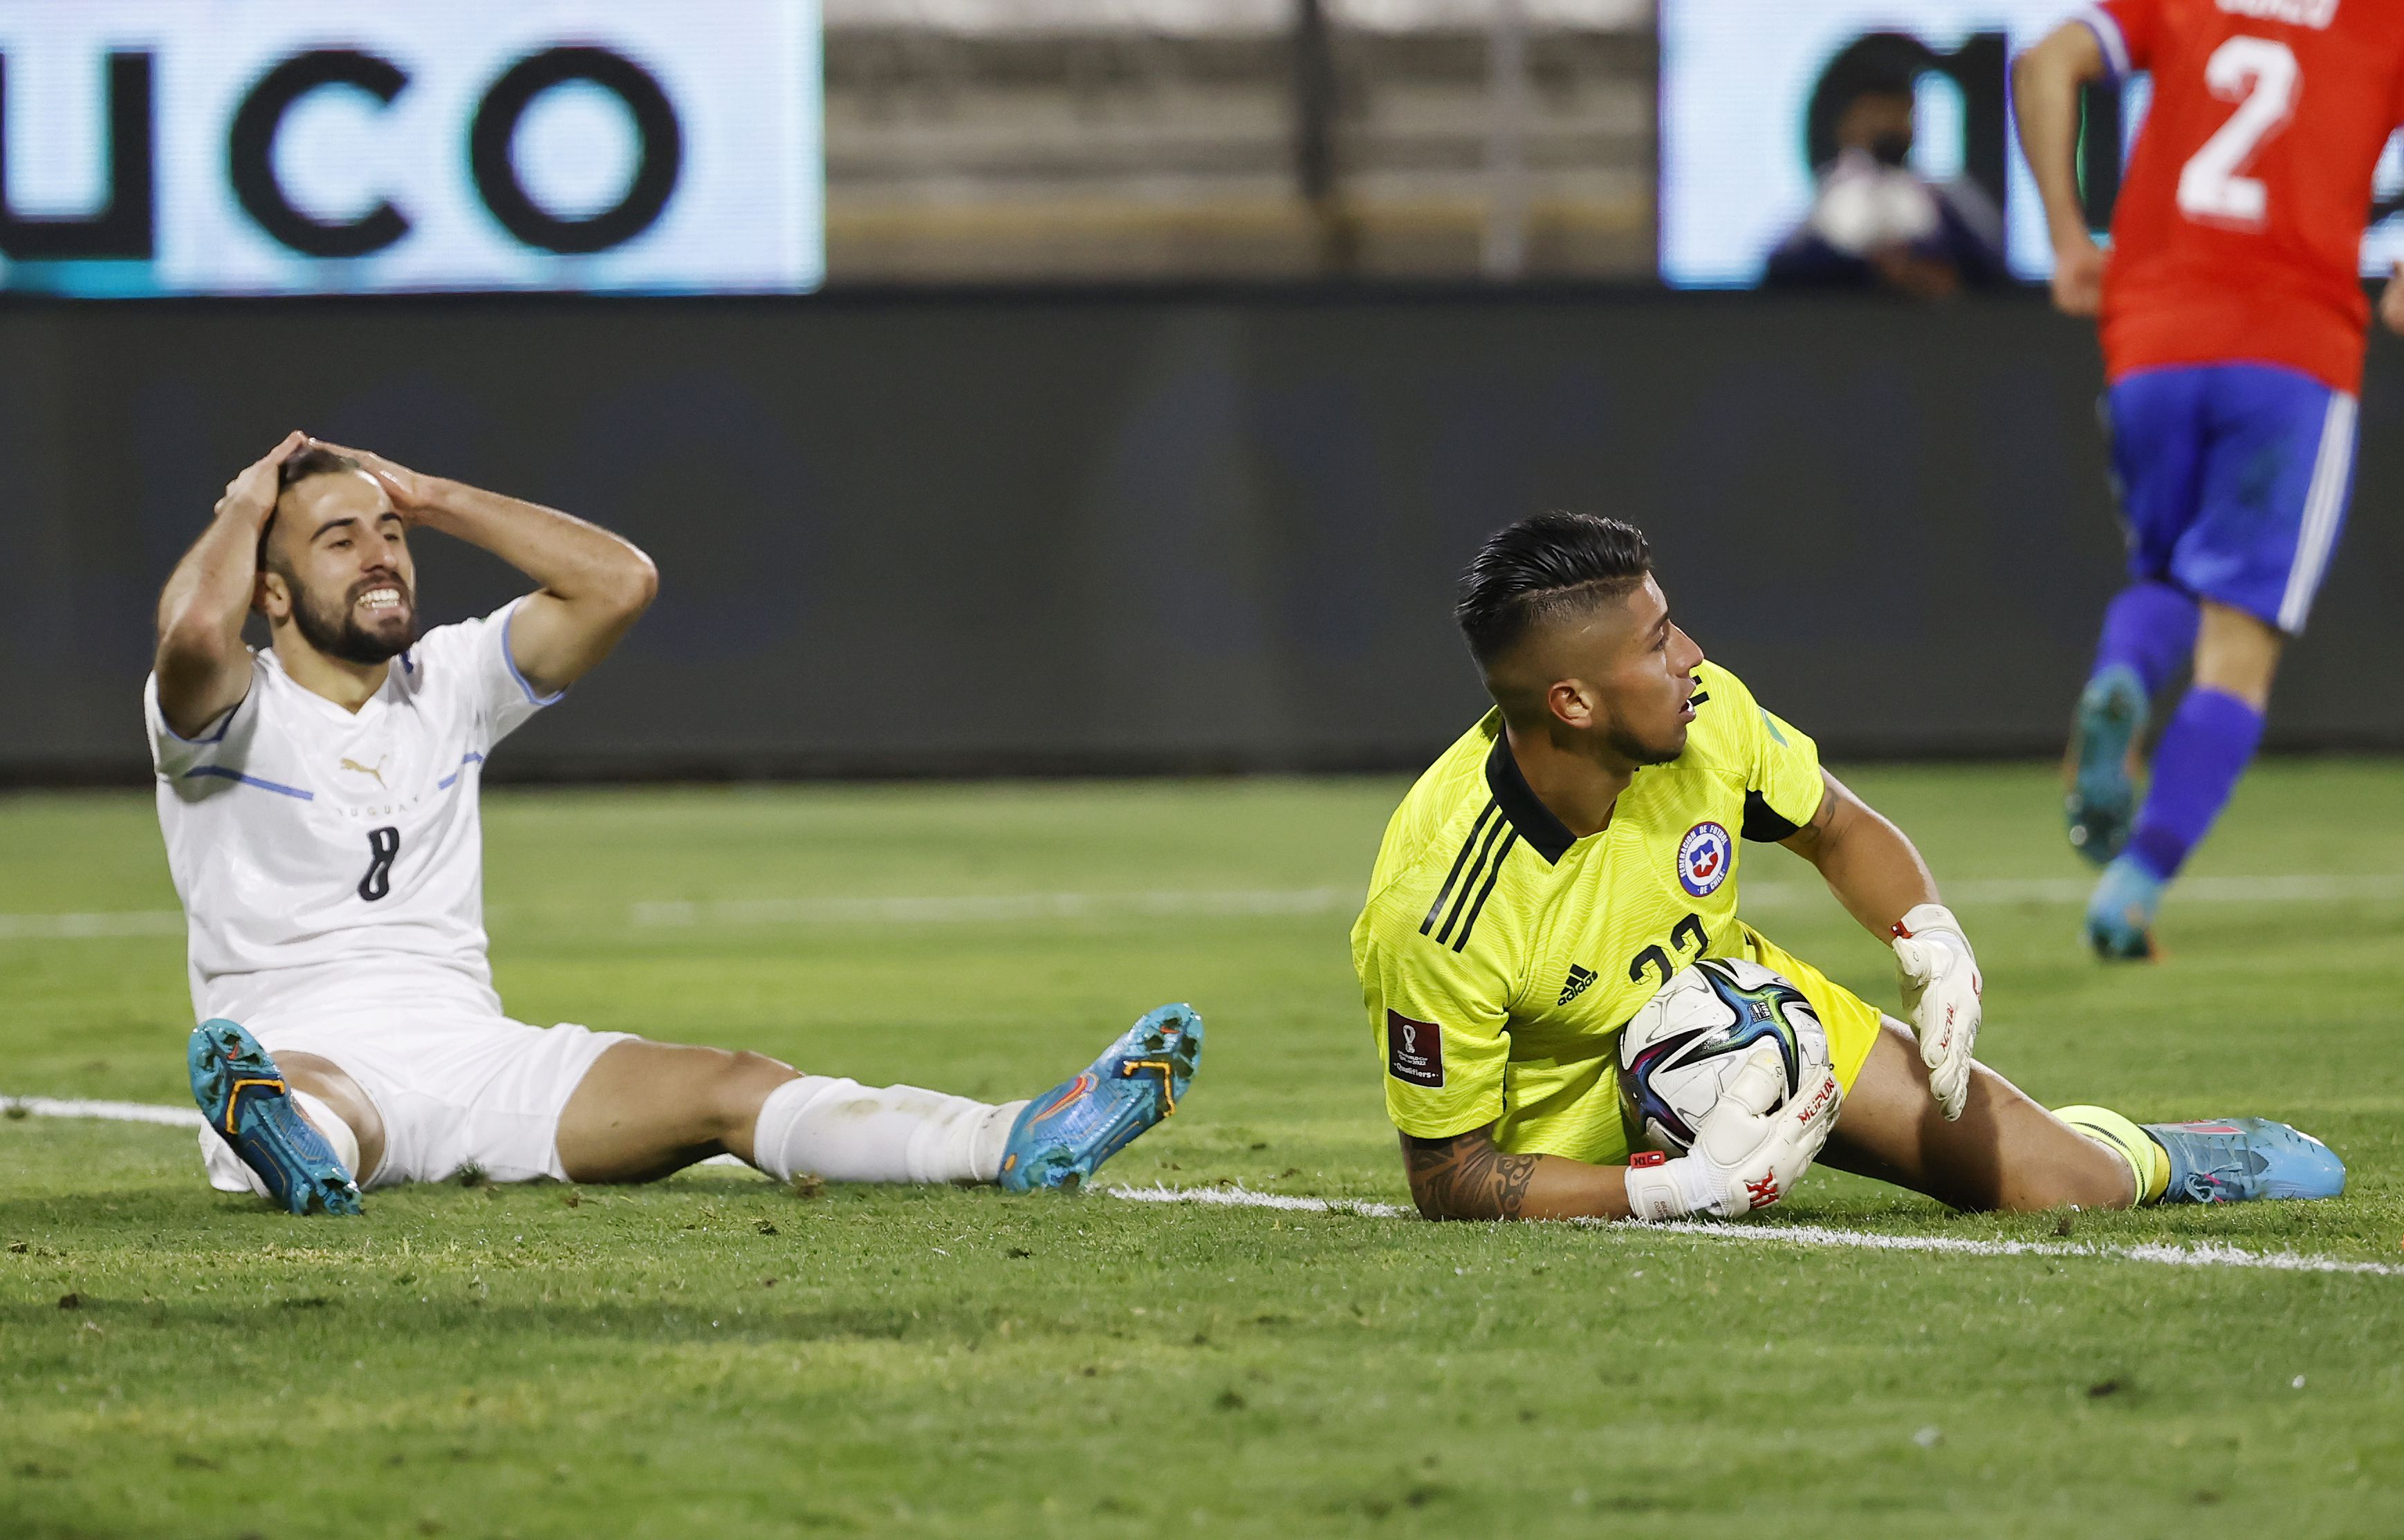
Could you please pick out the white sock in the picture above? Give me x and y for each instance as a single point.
(338, 1133)
(845, 1131)
(228, 1174)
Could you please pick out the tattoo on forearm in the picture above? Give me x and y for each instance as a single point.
(1467, 1178)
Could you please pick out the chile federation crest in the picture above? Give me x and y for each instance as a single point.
(1705, 858)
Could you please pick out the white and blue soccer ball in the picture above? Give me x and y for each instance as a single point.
(1677, 1054)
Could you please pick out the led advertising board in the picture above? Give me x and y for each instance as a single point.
(313, 146)
(1739, 83)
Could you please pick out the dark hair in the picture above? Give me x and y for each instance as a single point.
(1545, 566)
(315, 460)
(1879, 64)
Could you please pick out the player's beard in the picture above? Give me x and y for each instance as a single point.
(1635, 750)
(335, 629)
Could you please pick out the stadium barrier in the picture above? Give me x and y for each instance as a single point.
(1028, 532)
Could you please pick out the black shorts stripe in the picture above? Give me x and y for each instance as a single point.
(1461, 900)
(1458, 863)
(1492, 872)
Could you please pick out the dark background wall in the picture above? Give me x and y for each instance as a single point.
(1004, 533)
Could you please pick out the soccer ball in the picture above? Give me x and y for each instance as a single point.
(1677, 1054)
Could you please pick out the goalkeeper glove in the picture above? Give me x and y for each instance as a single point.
(1940, 996)
(1746, 1155)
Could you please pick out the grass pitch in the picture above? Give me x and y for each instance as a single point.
(718, 1357)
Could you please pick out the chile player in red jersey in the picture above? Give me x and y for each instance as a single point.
(2233, 322)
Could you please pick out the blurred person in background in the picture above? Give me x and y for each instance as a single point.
(2233, 324)
(1875, 222)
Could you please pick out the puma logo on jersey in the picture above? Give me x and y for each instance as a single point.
(1575, 985)
(376, 770)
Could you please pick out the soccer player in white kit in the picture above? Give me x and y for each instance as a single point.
(319, 804)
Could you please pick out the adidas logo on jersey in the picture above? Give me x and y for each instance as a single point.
(1575, 985)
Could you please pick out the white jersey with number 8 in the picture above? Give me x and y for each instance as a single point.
(330, 864)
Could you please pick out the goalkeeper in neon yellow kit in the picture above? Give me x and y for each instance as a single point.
(1581, 843)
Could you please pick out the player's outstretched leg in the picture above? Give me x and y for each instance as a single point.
(1064, 1133)
(2005, 1152)
(646, 1109)
(249, 1105)
(2008, 1152)
(2228, 1160)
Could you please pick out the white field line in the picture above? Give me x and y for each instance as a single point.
(171, 1117)
(2207, 1255)
(112, 1111)
(970, 908)
(2293, 889)
(957, 908)
(950, 909)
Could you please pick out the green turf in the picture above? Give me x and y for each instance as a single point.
(716, 1357)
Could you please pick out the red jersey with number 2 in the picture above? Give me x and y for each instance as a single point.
(2238, 237)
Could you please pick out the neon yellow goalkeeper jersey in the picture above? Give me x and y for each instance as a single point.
(1499, 957)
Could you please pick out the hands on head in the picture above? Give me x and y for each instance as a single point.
(252, 493)
(407, 489)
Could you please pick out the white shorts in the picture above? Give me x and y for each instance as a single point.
(453, 1091)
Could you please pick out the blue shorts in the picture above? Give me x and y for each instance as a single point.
(2234, 480)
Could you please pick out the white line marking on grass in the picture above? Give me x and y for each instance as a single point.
(2205, 1254)
(968, 907)
(172, 1117)
(2202, 1255)
(1244, 1197)
(112, 1111)
(2292, 889)
(1173, 903)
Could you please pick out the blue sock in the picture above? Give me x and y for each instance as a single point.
(2149, 626)
(2210, 740)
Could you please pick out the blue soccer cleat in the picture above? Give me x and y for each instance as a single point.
(244, 1096)
(1071, 1129)
(2102, 804)
(2120, 913)
(2241, 1159)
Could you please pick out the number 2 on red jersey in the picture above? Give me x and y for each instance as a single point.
(2262, 78)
